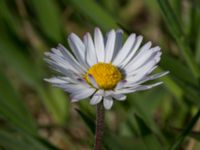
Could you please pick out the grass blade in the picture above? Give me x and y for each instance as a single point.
(49, 18)
(196, 25)
(177, 69)
(88, 120)
(139, 103)
(13, 55)
(7, 16)
(150, 140)
(100, 17)
(177, 32)
(21, 141)
(12, 108)
(171, 19)
(188, 129)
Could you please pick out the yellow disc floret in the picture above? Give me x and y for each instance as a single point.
(105, 74)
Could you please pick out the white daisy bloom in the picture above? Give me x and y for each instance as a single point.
(104, 69)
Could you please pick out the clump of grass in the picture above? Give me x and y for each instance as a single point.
(34, 115)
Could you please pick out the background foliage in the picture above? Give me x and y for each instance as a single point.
(36, 116)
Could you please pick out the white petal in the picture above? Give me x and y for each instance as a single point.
(138, 88)
(70, 58)
(83, 82)
(118, 43)
(100, 92)
(144, 48)
(99, 45)
(95, 99)
(141, 61)
(155, 76)
(62, 80)
(66, 72)
(108, 102)
(56, 51)
(77, 47)
(158, 75)
(56, 80)
(91, 57)
(108, 93)
(115, 95)
(66, 63)
(92, 81)
(141, 52)
(81, 94)
(133, 51)
(120, 84)
(144, 70)
(110, 45)
(125, 50)
(148, 78)
(146, 87)
(71, 88)
(55, 66)
(119, 97)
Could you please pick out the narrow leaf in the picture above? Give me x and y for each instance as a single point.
(176, 30)
(88, 121)
(49, 18)
(22, 141)
(150, 140)
(12, 108)
(186, 132)
(99, 17)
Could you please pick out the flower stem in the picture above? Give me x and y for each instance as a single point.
(99, 126)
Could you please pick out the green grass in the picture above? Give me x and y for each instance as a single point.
(35, 115)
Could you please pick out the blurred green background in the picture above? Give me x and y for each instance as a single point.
(36, 116)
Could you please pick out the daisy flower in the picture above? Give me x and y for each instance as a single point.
(104, 68)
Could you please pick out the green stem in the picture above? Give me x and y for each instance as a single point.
(182, 136)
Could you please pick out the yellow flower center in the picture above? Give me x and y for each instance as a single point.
(105, 74)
